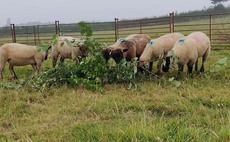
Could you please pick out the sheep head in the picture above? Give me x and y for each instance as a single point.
(84, 49)
(124, 50)
(47, 52)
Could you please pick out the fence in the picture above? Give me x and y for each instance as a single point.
(216, 26)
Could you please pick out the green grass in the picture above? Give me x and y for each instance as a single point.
(199, 110)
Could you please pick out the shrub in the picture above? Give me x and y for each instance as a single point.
(91, 72)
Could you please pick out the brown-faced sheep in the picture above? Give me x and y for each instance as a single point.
(19, 55)
(158, 49)
(130, 47)
(66, 51)
(188, 50)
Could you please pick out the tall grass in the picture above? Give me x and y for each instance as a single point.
(198, 110)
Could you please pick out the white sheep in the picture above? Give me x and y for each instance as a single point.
(130, 47)
(188, 49)
(158, 48)
(67, 49)
(19, 55)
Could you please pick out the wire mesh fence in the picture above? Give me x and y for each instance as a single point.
(216, 26)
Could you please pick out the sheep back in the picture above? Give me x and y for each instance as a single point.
(130, 47)
(20, 54)
(65, 50)
(201, 41)
(159, 46)
(185, 50)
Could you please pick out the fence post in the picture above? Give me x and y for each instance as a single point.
(140, 26)
(13, 33)
(57, 27)
(27, 35)
(38, 33)
(171, 23)
(210, 27)
(35, 40)
(116, 29)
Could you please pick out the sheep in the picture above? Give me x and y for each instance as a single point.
(157, 49)
(19, 55)
(187, 51)
(130, 47)
(66, 51)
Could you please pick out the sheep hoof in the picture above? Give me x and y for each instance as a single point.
(201, 70)
(157, 73)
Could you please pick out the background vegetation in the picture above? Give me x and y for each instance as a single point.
(140, 107)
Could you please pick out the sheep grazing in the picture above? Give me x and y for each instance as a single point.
(66, 51)
(187, 51)
(157, 49)
(19, 55)
(130, 47)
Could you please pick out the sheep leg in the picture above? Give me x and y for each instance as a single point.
(165, 67)
(2, 65)
(34, 66)
(39, 67)
(54, 61)
(11, 68)
(180, 69)
(54, 55)
(150, 66)
(62, 59)
(202, 65)
(1, 74)
(190, 67)
(196, 65)
(1, 70)
(159, 66)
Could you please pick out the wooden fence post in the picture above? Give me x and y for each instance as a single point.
(210, 27)
(57, 27)
(140, 26)
(35, 39)
(171, 23)
(38, 33)
(116, 29)
(13, 33)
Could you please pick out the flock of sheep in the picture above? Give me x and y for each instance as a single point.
(169, 48)
(184, 50)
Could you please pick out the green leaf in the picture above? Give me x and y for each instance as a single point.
(171, 79)
(62, 44)
(55, 42)
(55, 36)
(223, 61)
(176, 83)
(83, 31)
(45, 48)
(82, 24)
(68, 43)
(39, 48)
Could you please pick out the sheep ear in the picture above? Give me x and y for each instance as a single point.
(124, 50)
(109, 51)
(82, 47)
(121, 40)
(49, 47)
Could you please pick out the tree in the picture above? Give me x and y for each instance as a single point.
(217, 2)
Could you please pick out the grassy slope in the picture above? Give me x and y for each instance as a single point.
(197, 111)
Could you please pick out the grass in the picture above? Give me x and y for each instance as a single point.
(199, 110)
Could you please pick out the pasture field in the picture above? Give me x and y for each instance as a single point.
(154, 110)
